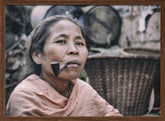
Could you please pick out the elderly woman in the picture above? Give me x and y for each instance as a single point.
(42, 92)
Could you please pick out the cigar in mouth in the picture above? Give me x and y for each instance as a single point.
(56, 67)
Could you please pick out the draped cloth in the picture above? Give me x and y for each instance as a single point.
(36, 97)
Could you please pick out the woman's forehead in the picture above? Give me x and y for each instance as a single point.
(65, 25)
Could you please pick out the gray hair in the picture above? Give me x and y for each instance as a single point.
(38, 37)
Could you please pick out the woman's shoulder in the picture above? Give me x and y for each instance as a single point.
(85, 85)
(25, 90)
(24, 95)
(82, 82)
(25, 86)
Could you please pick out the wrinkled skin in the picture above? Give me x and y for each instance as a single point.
(64, 45)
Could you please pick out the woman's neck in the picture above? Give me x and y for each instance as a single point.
(61, 86)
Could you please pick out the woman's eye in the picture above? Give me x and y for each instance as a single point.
(61, 41)
(80, 43)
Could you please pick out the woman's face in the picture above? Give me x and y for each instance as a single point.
(65, 45)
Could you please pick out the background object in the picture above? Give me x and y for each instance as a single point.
(125, 82)
(103, 25)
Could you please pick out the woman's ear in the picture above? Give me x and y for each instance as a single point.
(36, 57)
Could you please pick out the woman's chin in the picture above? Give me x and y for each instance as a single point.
(69, 76)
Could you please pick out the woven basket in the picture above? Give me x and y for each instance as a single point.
(125, 82)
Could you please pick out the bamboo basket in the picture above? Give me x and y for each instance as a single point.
(125, 82)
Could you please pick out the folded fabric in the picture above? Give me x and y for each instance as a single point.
(36, 97)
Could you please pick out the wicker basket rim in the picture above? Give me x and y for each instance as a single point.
(146, 51)
(123, 56)
(141, 48)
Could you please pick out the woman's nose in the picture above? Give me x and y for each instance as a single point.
(73, 50)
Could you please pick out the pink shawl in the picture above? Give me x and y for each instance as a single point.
(35, 97)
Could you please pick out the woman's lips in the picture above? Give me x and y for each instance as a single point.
(73, 63)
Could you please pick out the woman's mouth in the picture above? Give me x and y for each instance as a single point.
(73, 63)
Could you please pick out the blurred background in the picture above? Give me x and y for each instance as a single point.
(117, 34)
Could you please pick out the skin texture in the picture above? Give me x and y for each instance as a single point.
(65, 45)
